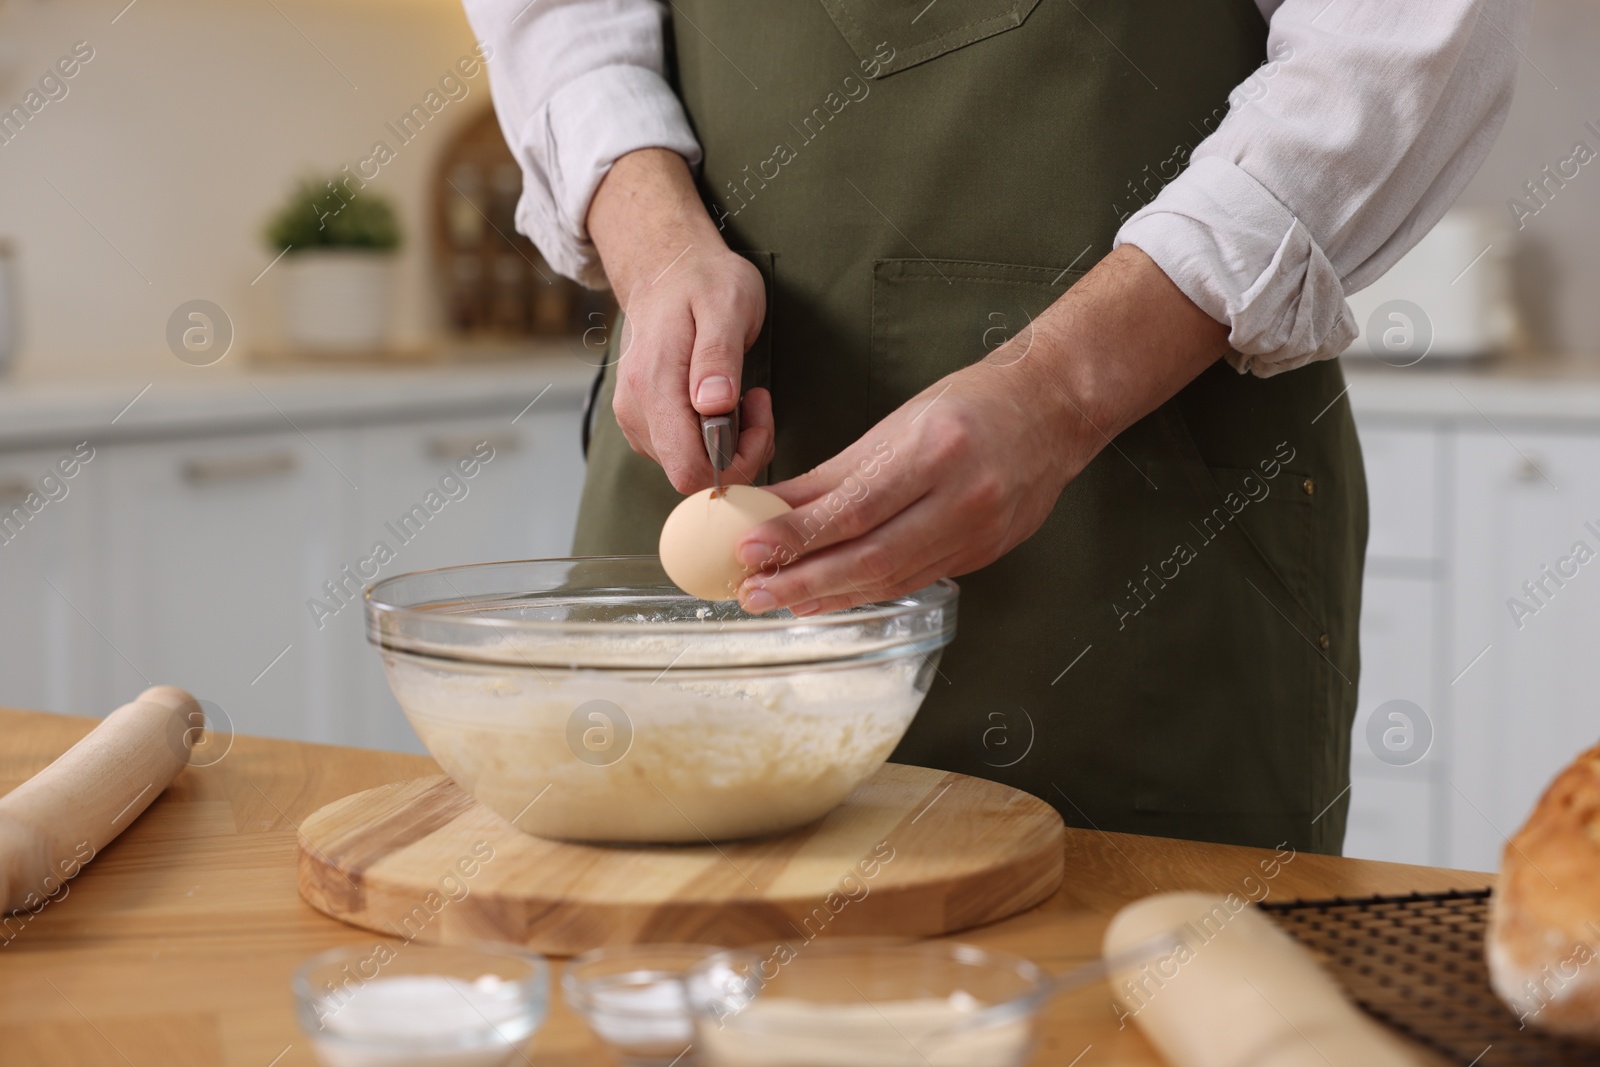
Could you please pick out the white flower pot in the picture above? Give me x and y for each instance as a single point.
(337, 298)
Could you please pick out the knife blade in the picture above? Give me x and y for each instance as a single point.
(721, 434)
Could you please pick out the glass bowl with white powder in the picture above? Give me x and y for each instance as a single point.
(634, 999)
(385, 1004)
(861, 1002)
(592, 700)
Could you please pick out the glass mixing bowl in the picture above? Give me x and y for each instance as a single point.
(592, 700)
(859, 1002)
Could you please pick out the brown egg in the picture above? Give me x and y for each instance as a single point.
(698, 537)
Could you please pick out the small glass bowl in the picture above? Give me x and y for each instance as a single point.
(866, 1003)
(634, 999)
(414, 1005)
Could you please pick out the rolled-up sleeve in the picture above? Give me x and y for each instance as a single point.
(1335, 158)
(577, 84)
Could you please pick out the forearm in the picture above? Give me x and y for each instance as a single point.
(644, 216)
(1335, 158)
(577, 84)
(1112, 349)
(693, 310)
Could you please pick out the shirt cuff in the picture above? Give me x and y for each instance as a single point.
(1246, 260)
(574, 138)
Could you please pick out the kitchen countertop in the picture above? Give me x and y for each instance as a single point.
(199, 400)
(1547, 392)
(175, 946)
(194, 401)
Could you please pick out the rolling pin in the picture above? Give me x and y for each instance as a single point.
(1239, 993)
(56, 821)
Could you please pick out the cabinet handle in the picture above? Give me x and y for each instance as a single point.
(238, 469)
(459, 446)
(15, 488)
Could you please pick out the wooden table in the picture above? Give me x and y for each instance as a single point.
(175, 946)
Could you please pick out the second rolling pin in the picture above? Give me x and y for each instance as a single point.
(1239, 993)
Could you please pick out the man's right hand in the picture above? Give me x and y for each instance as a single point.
(692, 309)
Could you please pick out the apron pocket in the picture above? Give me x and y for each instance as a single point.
(891, 35)
(1229, 677)
(930, 318)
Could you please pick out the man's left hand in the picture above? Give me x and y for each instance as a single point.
(972, 466)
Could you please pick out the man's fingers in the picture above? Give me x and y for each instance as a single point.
(858, 596)
(884, 561)
(657, 392)
(681, 450)
(821, 479)
(848, 511)
(861, 463)
(865, 491)
(757, 439)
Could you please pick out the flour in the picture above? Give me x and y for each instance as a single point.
(426, 1021)
(631, 1015)
(776, 1032)
(732, 749)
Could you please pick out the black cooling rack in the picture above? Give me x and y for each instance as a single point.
(1416, 964)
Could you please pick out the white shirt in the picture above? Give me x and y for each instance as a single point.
(1363, 125)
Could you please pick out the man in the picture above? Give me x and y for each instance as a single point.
(1010, 290)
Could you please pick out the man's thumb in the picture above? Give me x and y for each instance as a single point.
(715, 366)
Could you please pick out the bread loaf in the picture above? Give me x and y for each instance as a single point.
(1544, 917)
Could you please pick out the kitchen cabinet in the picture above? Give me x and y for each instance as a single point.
(1481, 599)
(1526, 514)
(1393, 814)
(1402, 487)
(212, 544)
(1391, 817)
(1392, 809)
(216, 539)
(51, 581)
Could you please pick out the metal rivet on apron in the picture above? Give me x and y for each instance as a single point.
(1324, 642)
(1309, 486)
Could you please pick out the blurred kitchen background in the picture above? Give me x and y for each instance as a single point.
(203, 445)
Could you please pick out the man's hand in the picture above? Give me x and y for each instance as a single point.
(692, 308)
(972, 466)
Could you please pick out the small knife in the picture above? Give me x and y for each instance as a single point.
(721, 433)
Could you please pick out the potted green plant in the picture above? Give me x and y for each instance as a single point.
(338, 241)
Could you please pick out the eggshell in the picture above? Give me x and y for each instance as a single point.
(698, 537)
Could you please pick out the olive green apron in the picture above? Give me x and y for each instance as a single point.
(1174, 652)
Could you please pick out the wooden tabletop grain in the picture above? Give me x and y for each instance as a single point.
(175, 946)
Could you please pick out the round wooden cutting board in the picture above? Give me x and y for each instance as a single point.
(912, 852)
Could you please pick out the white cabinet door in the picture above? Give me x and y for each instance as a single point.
(517, 499)
(442, 493)
(214, 545)
(1390, 819)
(1523, 669)
(52, 501)
(1402, 486)
(1396, 754)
